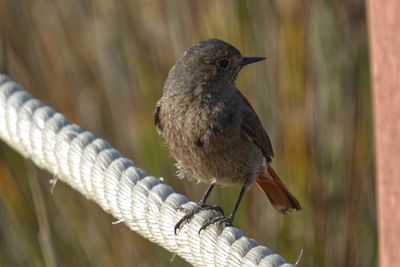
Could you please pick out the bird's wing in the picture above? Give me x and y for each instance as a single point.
(156, 117)
(253, 128)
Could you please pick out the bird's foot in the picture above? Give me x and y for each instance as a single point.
(189, 215)
(219, 219)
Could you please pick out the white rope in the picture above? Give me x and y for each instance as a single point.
(91, 166)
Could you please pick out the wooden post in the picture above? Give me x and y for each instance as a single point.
(384, 36)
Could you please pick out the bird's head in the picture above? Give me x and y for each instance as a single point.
(209, 62)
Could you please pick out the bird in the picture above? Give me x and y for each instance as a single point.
(213, 132)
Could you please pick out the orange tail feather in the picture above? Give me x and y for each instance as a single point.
(280, 197)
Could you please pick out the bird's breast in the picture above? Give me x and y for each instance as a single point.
(206, 140)
(199, 123)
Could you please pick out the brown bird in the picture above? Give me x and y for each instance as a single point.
(213, 132)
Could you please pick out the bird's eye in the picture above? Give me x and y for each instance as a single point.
(223, 63)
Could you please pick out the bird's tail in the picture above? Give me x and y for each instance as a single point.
(280, 197)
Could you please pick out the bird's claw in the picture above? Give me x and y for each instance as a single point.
(189, 215)
(219, 219)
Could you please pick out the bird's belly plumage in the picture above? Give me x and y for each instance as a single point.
(206, 149)
(224, 162)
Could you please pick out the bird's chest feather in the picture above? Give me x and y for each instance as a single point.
(198, 128)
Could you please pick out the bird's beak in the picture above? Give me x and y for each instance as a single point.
(249, 60)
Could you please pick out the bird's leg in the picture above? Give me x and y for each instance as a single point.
(201, 206)
(227, 220)
(206, 194)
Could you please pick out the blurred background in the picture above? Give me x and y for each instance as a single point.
(103, 64)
